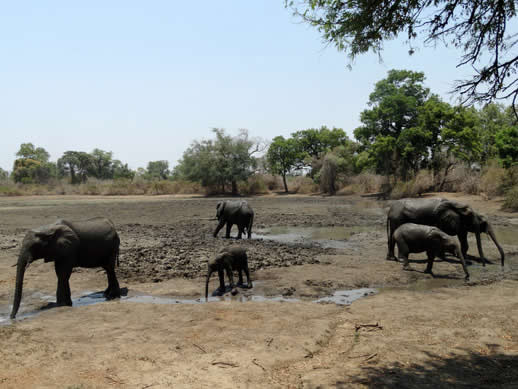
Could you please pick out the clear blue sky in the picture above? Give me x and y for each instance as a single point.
(145, 78)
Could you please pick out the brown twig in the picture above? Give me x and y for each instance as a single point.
(269, 342)
(199, 347)
(254, 361)
(231, 364)
(375, 326)
(114, 380)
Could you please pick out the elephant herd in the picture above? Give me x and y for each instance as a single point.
(424, 225)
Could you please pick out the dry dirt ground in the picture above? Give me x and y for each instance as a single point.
(417, 331)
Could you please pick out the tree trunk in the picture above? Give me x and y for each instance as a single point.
(234, 188)
(284, 182)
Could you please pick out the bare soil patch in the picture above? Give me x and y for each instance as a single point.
(420, 331)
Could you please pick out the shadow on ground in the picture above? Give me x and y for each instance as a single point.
(470, 370)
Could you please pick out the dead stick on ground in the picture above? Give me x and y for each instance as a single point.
(114, 380)
(370, 357)
(358, 326)
(269, 342)
(254, 361)
(201, 348)
(231, 364)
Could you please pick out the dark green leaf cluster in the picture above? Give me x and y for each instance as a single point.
(217, 163)
(479, 28)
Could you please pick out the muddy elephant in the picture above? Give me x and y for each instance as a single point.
(449, 216)
(417, 238)
(89, 243)
(235, 212)
(229, 259)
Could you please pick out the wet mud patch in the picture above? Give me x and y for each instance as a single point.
(153, 253)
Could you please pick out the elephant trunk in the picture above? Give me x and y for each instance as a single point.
(209, 273)
(491, 233)
(23, 260)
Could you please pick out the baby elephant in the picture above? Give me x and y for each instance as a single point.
(416, 238)
(229, 259)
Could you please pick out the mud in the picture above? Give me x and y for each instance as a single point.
(305, 249)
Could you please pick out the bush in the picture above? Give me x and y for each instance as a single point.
(511, 199)
(302, 185)
(491, 181)
(254, 185)
(363, 183)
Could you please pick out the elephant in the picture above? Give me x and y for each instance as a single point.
(229, 259)
(88, 243)
(234, 212)
(416, 238)
(449, 216)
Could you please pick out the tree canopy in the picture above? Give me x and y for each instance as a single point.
(221, 161)
(478, 28)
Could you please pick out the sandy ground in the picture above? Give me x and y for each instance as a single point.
(417, 331)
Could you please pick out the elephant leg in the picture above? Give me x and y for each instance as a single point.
(230, 276)
(229, 227)
(391, 244)
(463, 262)
(240, 280)
(240, 232)
(113, 291)
(403, 252)
(221, 289)
(463, 239)
(431, 257)
(63, 294)
(219, 227)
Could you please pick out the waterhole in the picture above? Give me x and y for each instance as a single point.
(325, 237)
(344, 297)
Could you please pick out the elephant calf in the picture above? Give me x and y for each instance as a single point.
(228, 259)
(416, 238)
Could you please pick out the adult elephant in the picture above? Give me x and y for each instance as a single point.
(234, 212)
(450, 216)
(88, 243)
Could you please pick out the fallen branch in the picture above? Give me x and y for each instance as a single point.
(231, 364)
(375, 326)
(199, 347)
(254, 361)
(269, 342)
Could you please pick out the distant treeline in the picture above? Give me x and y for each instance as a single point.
(409, 142)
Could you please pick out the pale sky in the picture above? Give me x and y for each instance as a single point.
(143, 79)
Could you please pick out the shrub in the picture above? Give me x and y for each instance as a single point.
(254, 185)
(491, 181)
(302, 185)
(511, 199)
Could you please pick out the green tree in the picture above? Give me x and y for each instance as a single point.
(32, 166)
(76, 164)
(4, 176)
(224, 160)
(478, 28)
(28, 151)
(283, 156)
(158, 170)
(506, 141)
(122, 171)
(390, 132)
(101, 166)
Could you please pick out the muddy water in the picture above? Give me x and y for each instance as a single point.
(326, 237)
(506, 234)
(342, 297)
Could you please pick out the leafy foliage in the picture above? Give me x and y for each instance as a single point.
(478, 28)
(218, 162)
(283, 156)
(32, 166)
(76, 164)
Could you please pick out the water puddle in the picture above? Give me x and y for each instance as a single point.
(346, 297)
(343, 297)
(326, 237)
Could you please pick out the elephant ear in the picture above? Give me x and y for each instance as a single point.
(450, 222)
(483, 223)
(465, 217)
(220, 208)
(61, 235)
